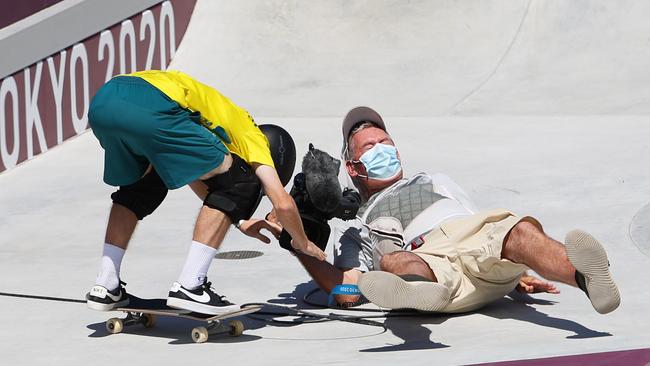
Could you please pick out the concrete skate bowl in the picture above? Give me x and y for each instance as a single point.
(423, 58)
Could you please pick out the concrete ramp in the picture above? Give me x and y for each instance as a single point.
(424, 58)
(536, 106)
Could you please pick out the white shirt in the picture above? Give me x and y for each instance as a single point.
(352, 239)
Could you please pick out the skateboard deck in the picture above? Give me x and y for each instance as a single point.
(145, 311)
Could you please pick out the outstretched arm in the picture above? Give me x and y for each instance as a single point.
(286, 211)
(327, 276)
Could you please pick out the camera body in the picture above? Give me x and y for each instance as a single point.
(346, 208)
(317, 193)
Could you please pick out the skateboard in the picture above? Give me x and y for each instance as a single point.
(145, 311)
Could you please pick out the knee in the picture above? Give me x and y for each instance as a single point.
(522, 234)
(523, 231)
(142, 197)
(388, 261)
(395, 261)
(406, 263)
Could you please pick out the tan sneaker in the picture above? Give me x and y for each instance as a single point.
(390, 291)
(590, 259)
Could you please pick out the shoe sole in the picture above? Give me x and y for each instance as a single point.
(589, 257)
(389, 291)
(106, 307)
(196, 307)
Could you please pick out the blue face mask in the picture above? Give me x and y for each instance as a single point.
(381, 162)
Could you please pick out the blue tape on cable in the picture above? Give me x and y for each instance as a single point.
(342, 290)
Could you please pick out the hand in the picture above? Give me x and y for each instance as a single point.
(532, 285)
(309, 249)
(272, 217)
(253, 228)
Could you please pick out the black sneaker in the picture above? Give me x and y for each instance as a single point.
(100, 298)
(199, 300)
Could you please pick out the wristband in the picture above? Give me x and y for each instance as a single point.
(344, 289)
(238, 224)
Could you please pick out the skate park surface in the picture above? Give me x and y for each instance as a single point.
(539, 107)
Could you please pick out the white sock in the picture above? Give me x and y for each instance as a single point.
(109, 269)
(196, 265)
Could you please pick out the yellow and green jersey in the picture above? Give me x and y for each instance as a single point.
(218, 113)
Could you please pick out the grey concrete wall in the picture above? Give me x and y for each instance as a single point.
(60, 26)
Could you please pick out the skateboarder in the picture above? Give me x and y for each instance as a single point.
(421, 242)
(163, 130)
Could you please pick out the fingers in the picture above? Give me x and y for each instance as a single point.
(525, 289)
(319, 254)
(255, 229)
(552, 289)
(529, 289)
(271, 216)
(521, 289)
(533, 285)
(316, 253)
(311, 250)
(274, 228)
(268, 225)
(262, 238)
(543, 286)
(521, 286)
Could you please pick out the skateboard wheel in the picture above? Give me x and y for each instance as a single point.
(114, 325)
(199, 334)
(149, 320)
(236, 328)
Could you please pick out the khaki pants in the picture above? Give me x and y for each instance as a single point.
(465, 256)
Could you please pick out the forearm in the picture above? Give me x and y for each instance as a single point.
(328, 276)
(323, 273)
(287, 213)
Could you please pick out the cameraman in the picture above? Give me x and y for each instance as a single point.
(420, 242)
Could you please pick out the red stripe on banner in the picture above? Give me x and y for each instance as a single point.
(13, 11)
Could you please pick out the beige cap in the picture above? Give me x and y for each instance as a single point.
(356, 116)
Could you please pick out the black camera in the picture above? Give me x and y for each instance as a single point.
(346, 209)
(319, 198)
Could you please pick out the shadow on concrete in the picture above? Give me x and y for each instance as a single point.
(518, 307)
(413, 331)
(407, 326)
(412, 328)
(178, 330)
(296, 297)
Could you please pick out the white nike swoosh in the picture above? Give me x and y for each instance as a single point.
(203, 298)
(114, 297)
(103, 292)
